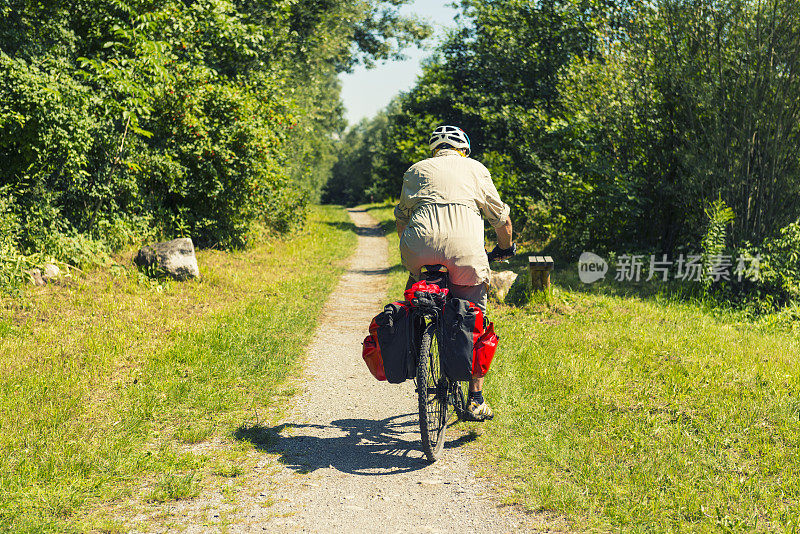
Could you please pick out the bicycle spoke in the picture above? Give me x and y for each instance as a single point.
(433, 397)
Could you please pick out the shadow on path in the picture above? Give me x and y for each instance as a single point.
(368, 231)
(373, 272)
(367, 447)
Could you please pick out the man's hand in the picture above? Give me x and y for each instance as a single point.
(498, 253)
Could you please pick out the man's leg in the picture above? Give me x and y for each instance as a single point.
(476, 384)
(474, 294)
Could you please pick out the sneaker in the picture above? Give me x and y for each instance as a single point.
(476, 412)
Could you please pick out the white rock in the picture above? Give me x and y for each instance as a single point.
(50, 272)
(500, 283)
(173, 258)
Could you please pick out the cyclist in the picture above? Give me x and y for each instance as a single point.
(439, 222)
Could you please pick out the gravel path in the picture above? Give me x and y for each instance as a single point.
(349, 453)
(347, 456)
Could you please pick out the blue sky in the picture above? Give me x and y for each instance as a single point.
(365, 92)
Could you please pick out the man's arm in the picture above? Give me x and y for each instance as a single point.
(504, 234)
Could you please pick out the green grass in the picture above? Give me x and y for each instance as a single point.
(633, 412)
(194, 432)
(227, 470)
(647, 416)
(174, 487)
(108, 380)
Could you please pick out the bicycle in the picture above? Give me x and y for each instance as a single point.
(439, 391)
(435, 391)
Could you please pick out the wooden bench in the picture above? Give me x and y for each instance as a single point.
(540, 267)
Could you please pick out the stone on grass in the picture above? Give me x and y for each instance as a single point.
(51, 272)
(174, 258)
(500, 283)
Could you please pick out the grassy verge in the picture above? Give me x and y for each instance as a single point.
(109, 379)
(384, 213)
(626, 414)
(633, 415)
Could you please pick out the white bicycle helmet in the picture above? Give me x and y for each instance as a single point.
(453, 136)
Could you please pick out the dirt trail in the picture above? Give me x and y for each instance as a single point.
(347, 457)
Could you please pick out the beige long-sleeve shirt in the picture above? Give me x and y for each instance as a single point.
(441, 204)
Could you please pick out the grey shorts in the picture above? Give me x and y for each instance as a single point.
(474, 294)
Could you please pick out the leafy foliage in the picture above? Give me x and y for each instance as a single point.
(125, 119)
(613, 125)
(780, 264)
(10, 258)
(713, 244)
(355, 175)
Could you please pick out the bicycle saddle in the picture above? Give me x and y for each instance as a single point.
(435, 274)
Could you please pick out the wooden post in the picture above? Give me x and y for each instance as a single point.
(540, 267)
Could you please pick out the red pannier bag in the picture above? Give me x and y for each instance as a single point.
(386, 350)
(371, 353)
(483, 354)
(468, 341)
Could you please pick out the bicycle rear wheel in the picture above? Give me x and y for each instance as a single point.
(458, 398)
(432, 393)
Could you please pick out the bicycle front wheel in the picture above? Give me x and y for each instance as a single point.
(432, 393)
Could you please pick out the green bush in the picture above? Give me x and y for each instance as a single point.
(780, 263)
(713, 243)
(11, 261)
(771, 281)
(215, 164)
(47, 132)
(125, 121)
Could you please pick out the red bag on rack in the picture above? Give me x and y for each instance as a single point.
(386, 349)
(431, 290)
(468, 341)
(483, 353)
(372, 353)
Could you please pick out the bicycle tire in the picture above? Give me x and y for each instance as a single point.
(432, 393)
(459, 399)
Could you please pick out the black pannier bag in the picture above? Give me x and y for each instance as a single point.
(394, 340)
(461, 327)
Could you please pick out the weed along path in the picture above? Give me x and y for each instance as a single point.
(347, 457)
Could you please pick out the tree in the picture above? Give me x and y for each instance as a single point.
(120, 119)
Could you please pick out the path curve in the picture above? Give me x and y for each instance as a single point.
(349, 452)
